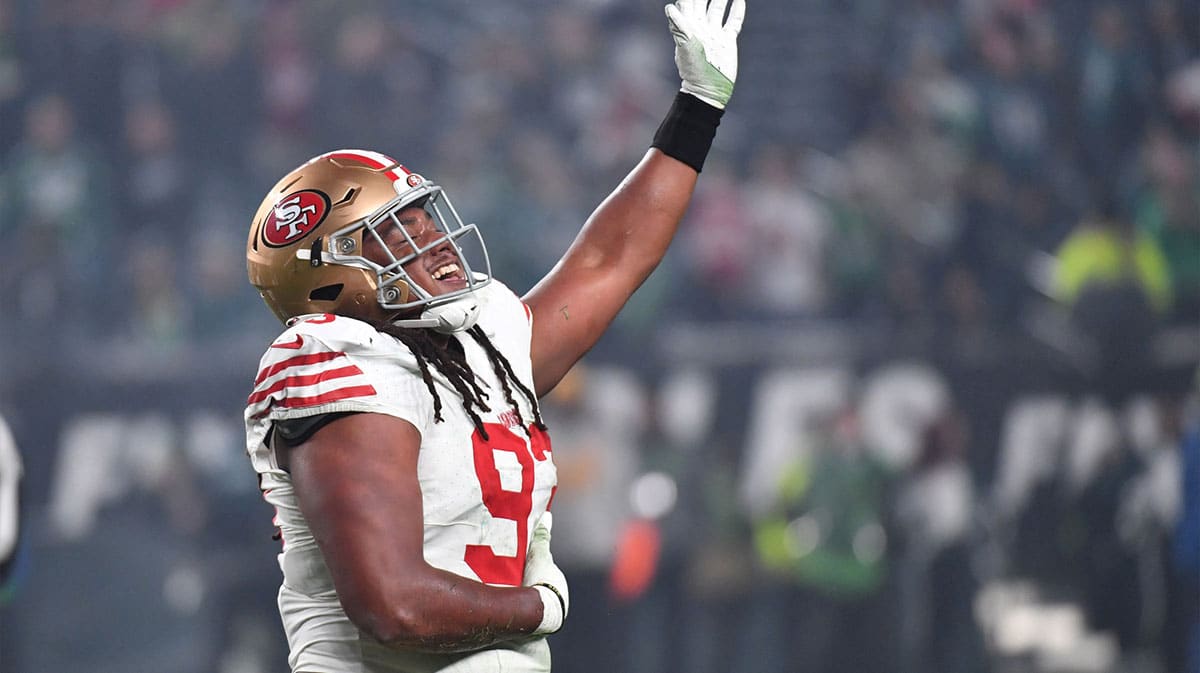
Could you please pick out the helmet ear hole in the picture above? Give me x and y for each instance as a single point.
(326, 293)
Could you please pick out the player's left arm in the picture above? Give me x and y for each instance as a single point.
(628, 234)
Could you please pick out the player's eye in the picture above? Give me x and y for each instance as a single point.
(401, 234)
(385, 244)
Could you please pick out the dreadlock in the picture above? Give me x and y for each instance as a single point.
(505, 373)
(449, 358)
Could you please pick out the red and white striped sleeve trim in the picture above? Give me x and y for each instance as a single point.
(307, 380)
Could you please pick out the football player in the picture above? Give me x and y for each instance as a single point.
(394, 424)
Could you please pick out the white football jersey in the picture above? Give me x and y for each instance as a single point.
(481, 498)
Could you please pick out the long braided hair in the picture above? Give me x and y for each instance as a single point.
(449, 357)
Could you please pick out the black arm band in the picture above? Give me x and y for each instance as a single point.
(295, 431)
(687, 132)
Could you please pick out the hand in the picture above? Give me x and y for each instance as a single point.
(542, 574)
(706, 51)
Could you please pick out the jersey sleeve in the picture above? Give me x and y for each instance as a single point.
(331, 364)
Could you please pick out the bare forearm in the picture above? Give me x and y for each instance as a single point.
(363, 503)
(446, 613)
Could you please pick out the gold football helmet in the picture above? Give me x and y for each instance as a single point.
(306, 249)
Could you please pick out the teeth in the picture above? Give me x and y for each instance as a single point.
(443, 271)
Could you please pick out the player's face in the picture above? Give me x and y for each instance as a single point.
(437, 270)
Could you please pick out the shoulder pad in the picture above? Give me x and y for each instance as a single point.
(326, 363)
(335, 331)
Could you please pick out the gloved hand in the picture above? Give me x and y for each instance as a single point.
(706, 51)
(542, 574)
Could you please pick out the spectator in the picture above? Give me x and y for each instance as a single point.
(1114, 280)
(214, 63)
(1173, 37)
(289, 87)
(1168, 211)
(157, 196)
(789, 230)
(718, 245)
(14, 80)
(1015, 118)
(57, 215)
(825, 542)
(374, 59)
(935, 501)
(1114, 88)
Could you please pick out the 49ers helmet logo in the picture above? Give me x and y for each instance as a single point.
(294, 216)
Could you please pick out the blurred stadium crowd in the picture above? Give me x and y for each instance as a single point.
(915, 391)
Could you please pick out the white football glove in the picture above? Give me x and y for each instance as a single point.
(705, 50)
(542, 574)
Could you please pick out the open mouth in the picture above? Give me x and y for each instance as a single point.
(449, 273)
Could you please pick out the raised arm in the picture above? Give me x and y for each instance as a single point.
(356, 482)
(628, 234)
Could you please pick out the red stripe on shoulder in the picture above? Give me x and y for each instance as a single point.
(300, 381)
(331, 396)
(297, 361)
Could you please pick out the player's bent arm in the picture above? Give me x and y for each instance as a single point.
(356, 482)
(621, 243)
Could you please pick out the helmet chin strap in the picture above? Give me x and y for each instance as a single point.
(459, 315)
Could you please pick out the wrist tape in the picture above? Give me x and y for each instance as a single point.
(553, 609)
(688, 130)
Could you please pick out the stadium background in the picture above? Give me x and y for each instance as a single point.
(914, 391)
